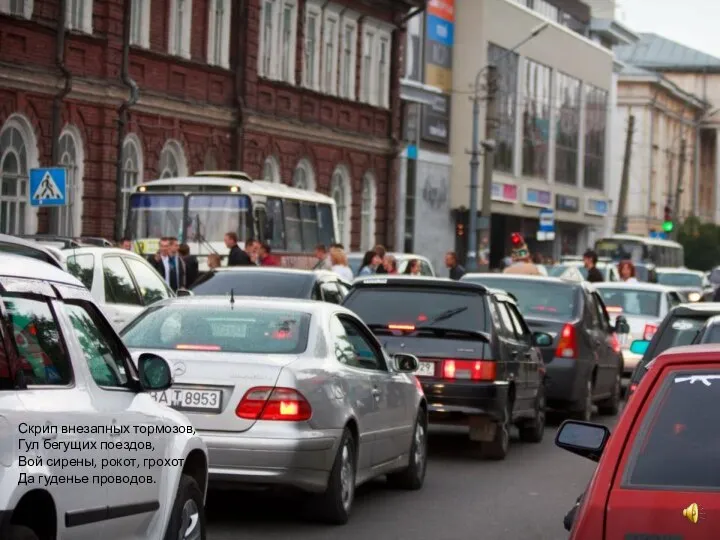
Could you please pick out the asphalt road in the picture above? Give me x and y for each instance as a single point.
(524, 497)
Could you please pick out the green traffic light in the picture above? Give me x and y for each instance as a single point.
(667, 226)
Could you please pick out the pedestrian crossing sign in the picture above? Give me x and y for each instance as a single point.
(48, 187)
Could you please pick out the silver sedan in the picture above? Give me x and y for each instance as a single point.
(289, 392)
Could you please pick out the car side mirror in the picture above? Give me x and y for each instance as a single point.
(583, 439)
(154, 372)
(405, 363)
(639, 346)
(541, 339)
(184, 292)
(621, 325)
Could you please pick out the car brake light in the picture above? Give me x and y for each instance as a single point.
(567, 346)
(265, 403)
(474, 370)
(402, 327)
(649, 331)
(185, 347)
(632, 388)
(614, 309)
(615, 343)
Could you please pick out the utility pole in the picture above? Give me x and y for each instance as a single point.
(625, 179)
(491, 122)
(678, 190)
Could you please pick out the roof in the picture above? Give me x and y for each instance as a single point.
(643, 239)
(17, 266)
(712, 321)
(518, 277)
(707, 352)
(396, 254)
(252, 302)
(640, 286)
(405, 280)
(661, 54)
(667, 270)
(612, 30)
(698, 308)
(31, 245)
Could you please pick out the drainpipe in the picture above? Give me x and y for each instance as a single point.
(67, 76)
(123, 117)
(239, 18)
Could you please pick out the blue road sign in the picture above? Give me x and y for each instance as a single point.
(48, 187)
(660, 235)
(412, 151)
(547, 220)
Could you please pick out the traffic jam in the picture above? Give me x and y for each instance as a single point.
(229, 307)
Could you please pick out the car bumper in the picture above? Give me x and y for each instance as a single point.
(448, 402)
(630, 362)
(301, 460)
(564, 380)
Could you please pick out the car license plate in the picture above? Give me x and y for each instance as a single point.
(426, 369)
(187, 399)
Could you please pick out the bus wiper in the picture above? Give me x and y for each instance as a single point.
(200, 238)
(445, 315)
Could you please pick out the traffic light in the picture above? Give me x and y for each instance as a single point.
(516, 239)
(668, 224)
(460, 229)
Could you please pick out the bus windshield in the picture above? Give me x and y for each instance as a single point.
(155, 216)
(211, 216)
(621, 249)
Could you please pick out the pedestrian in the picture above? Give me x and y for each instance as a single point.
(451, 261)
(390, 264)
(252, 248)
(626, 269)
(192, 270)
(236, 257)
(381, 252)
(340, 265)
(521, 258)
(125, 243)
(264, 256)
(323, 259)
(169, 265)
(412, 268)
(214, 261)
(590, 260)
(370, 263)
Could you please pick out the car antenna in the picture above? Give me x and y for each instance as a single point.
(232, 298)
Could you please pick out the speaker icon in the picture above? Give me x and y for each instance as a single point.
(692, 513)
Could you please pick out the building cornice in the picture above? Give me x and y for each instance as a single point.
(663, 83)
(417, 92)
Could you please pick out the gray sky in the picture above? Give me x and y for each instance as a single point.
(691, 22)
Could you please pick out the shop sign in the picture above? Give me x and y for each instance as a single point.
(566, 203)
(538, 197)
(507, 193)
(596, 207)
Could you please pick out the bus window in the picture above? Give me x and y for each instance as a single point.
(274, 226)
(154, 216)
(293, 230)
(308, 214)
(210, 217)
(326, 225)
(261, 223)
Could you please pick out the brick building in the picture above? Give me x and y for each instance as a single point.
(298, 91)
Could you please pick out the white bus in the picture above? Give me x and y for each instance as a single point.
(199, 211)
(641, 250)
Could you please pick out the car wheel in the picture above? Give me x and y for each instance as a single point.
(335, 504)
(532, 431)
(187, 520)
(611, 406)
(20, 532)
(585, 405)
(413, 476)
(497, 449)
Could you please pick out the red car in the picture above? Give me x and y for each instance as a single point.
(658, 475)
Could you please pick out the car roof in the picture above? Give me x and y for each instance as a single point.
(672, 270)
(256, 303)
(9, 239)
(638, 285)
(521, 277)
(100, 250)
(17, 266)
(712, 321)
(278, 270)
(396, 254)
(688, 354)
(697, 308)
(394, 280)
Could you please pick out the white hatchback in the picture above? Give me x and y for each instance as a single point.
(85, 452)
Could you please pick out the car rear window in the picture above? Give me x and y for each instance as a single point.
(537, 298)
(212, 328)
(676, 279)
(418, 306)
(631, 302)
(82, 267)
(27, 251)
(678, 443)
(680, 331)
(712, 334)
(272, 284)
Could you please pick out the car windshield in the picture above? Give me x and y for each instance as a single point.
(219, 328)
(255, 283)
(712, 334)
(418, 306)
(537, 298)
(680, 331)
(631, 301)
(682, 427)
(679, 279)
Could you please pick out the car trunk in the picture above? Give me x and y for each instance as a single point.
(548, 326)
(208, 386)
(637, 325)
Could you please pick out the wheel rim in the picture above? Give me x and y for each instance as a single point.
(419, 454)
(347, 475)
(190, 526)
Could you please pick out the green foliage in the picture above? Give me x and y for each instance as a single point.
(701, 242)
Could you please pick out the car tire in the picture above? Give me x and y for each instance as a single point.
(611, 406)
(584, 407)
(498, 448)
(532, 431)
(412, 477)
(334, 506)
(20, 532)
(187, 519)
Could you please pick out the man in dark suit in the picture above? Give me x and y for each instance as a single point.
(236, 257)
(169, 264)
(191, 264)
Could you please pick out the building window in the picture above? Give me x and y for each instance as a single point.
(79, 15)
(304, 176)
(180, 21)
(271, 170)
(367, 61)
(413, 47)
(340, 192)
(218, 52)
(375, 76)
(506, 96)
(547, 10)
(567, 107)
(172, 160)
(330, 53)
(19, 8)
(140, 23)
(311, 64)
(132, 171)
(367, 213)
(67, 220)
(536, 119)
(278, 43)
(16, 148)
(596, 103)
(347, 59)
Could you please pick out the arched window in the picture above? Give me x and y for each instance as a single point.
(18, 154)
(67, 220)
(367, 212)
(304, 176)
(132, 170)
(172, 160)
(271, 170)
(340, 190)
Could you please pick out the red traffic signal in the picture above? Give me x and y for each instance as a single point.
(668, 213)
(516, 239)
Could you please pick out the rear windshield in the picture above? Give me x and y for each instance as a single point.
(642, 273)
(681, 429)
(272, 284)
(211, 328)
(712, 334)
(27, 251)
(631, 302)
(680, 331)
(418, 306)
(537, 299)
(679, 280)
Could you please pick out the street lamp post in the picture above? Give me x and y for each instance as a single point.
(489, 148)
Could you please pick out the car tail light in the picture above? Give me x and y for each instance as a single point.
(473, 370)
(402, 327)
(567, 346)
(615, 343)
(649, 331)
(613, 310)
(632, 388)
(265, 403)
